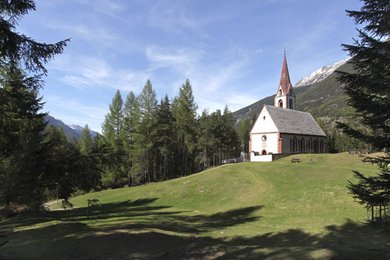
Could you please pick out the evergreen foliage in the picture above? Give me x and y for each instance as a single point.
(368, 89)
(163, 141)
(16, 47)
(184, 108)
(132, 138)
(21, 136)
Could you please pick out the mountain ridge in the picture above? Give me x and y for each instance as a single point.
(71, 131)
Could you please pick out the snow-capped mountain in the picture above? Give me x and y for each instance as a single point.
(320, 74)
(79, 129)
(72, 132)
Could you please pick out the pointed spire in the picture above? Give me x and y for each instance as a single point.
(285, 82)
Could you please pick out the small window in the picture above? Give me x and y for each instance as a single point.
(264, 138)
(280, 103)
(263, 117)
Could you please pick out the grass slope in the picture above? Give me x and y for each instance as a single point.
(246, 210)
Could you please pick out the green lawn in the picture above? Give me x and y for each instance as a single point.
(246, 210)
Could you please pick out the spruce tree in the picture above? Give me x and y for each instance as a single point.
(115, 173)
(132, 138)
(184, 108)
(148, 104)
(21, 123)
(17, 47)
(112, 124)
(21, 135)
(368, 88)
(86, 142)
(164, 140)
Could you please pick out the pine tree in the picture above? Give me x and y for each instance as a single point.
(112, 124)
(132, 138)
(368, 89)
(21, 127)
(21, 123)
(205, 140)
(230, 141)
(115, 173)
(184, 108)
(16, 47)
(148, 104)
(86, 142)
(164, 140)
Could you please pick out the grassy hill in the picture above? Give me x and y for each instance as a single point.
(246, 210)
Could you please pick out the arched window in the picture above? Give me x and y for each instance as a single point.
(321, 146)
(280, 92)
(303, 144)
(310, 145)
(280, 103)
(291, 103)
(264, 152)
(291, 145)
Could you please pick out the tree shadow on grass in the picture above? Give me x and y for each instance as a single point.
(175, 235)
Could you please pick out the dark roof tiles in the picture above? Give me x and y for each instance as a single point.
(294, 121)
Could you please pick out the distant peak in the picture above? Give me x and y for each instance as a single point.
(320, 74)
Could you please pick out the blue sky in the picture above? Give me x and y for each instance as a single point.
(230, 50)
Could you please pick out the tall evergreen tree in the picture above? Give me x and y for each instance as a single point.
(164, 141)
(112, 124)
(86, 142)
(21, 128)
(21, 123)
(368, 89)
(206, 140)
(184, 108)
(148, 104)
(115, 173)
(132, 138)
(230, 141)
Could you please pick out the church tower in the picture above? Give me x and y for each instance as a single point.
(285, 96)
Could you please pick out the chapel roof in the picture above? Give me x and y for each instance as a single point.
(294, 122)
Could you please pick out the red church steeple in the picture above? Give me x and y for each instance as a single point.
(285, 96)
(285, 82)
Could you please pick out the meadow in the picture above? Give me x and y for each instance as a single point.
(244, 210)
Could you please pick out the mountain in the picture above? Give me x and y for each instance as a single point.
(320, 93)
(320, 74)
(71, 132)
(80, 129)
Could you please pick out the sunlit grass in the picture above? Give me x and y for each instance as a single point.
(239, 204)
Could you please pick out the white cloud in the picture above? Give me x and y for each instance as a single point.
(90, 72)
(179, 59)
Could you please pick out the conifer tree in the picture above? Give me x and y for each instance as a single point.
(115, 173)
(148, 104)
(21, 127)
(86, 142)
(368, 89)
(17, 47)
(112, 124)
(164, 140)
(184, 108)
(132, 138)
(21, 123)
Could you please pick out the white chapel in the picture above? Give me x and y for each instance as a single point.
(280, 129)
